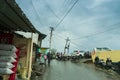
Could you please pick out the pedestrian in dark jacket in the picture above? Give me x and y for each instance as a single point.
(48, 57)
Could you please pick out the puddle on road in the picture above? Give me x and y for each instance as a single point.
(76, 71)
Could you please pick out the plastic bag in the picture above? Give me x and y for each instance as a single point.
(7, 59)
(8, 53)
(6, 65)
(8, 47)
(6, 71)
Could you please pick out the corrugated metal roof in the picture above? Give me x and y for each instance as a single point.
(12, 17)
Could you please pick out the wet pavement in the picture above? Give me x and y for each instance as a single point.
(67, 70)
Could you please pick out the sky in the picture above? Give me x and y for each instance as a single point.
(89, 24)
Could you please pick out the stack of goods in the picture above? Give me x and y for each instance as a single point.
(7, 58)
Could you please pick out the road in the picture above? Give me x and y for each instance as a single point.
(67, 70)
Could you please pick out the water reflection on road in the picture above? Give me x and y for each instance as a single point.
(66, 70)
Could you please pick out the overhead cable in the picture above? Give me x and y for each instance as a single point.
(66, 14)
(101, 32)
(47, 5)
(36, 11)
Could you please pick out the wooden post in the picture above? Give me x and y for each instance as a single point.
(30, 57)
(27, 60)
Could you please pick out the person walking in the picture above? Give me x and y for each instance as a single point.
(48, 57)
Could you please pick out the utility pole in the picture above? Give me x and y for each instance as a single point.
(51, 31)
(67, 45)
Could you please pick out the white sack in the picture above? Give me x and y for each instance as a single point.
(8, 47)
(6, 65)
(7, 59)
(6, 71)
(8, 53)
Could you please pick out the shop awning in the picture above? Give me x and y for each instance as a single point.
(12, 18)
(41, 35)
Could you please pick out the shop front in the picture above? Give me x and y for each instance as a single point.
(15, 50)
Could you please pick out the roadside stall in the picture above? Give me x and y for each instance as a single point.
(44, 50)
(15, 56)
(9, 55)
(21, 64)
(15, 51)
(41, 52)
(25, 57)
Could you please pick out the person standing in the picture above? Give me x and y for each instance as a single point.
(45, 58)
(48, 57)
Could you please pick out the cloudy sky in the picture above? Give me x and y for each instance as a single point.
(89, 24)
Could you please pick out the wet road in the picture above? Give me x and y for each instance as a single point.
(60, 70)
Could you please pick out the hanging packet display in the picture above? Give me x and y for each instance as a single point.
(6, 71)
(7, 59)
(8, 53)
(8, 47)
(6, 65)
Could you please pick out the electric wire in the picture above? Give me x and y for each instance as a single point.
(72, 43)
(101, 32)
(66, 14)
(66, 5)
(52, 11)
(33, 10)
(48, 6)
(36, 12)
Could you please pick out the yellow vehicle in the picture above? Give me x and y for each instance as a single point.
(104, 53)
